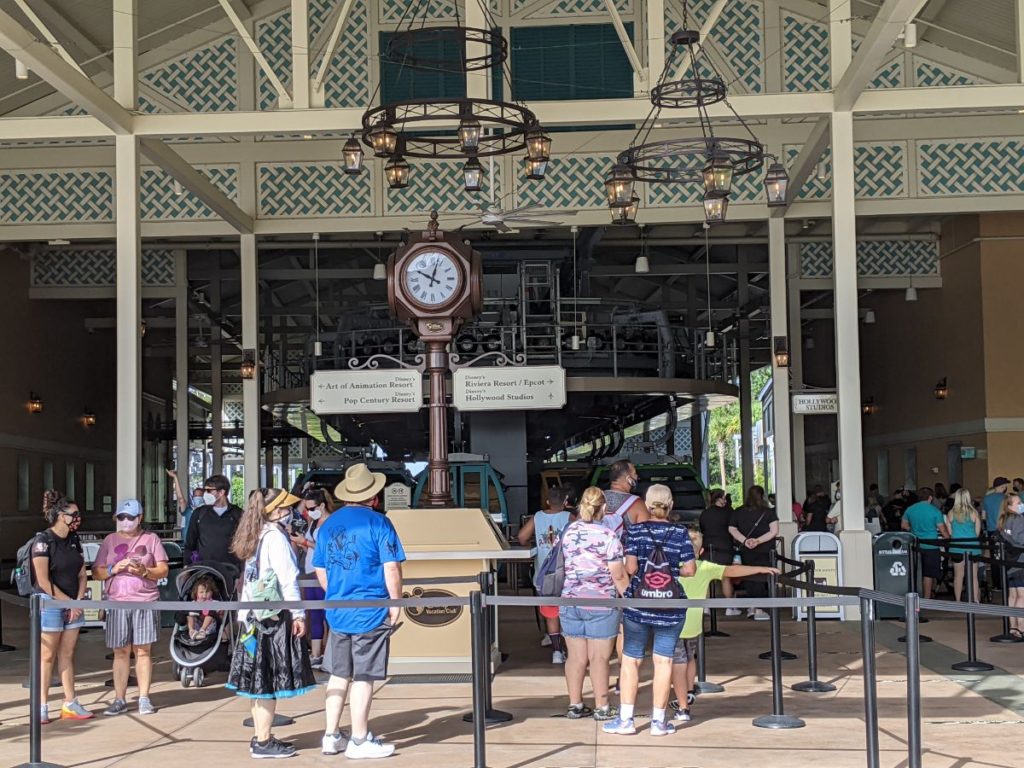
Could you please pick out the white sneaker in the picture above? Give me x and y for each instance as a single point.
(333, 743)
(760, 615)
(750, 613)
(558, 657)
(370, 749)
(733, 612)
(545, 642)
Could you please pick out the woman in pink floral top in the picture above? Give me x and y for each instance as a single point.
(593, 568)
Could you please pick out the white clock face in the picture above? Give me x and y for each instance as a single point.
(432, 278)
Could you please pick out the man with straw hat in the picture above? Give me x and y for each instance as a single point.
(358, 557)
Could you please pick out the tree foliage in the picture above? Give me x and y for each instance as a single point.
(723, 427)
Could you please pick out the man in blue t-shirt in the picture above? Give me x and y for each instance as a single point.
(927, 523)
(358, 557)
(993, 502)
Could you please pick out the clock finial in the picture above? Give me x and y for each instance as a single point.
(433, 225)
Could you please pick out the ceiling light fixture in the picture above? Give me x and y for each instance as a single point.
(643, 264)
(781, 345)
(869, 317)
(911, 293)
(941, 390)
(35, 403)
(821, 171)
(318, 348)
(88, 417)
(20, 69)
(909, 35)
(379, 271)
(352, 157)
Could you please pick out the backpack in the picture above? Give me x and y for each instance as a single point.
(21, 577)
(657, 581)
(550, 577)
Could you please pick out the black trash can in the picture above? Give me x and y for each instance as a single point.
(895, 568)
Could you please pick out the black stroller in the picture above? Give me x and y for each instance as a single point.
(192, 658)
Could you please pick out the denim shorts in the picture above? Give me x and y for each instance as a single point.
(635, 637)
(56, 619)
(589, 623)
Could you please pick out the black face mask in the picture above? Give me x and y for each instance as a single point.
(75, 524)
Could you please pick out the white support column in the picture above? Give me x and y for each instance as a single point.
(746, 396)
(300, 54)
(840, 30)
(129, 317)
(655, 23)
(796, 369)
(478, 83)
(126, 82)
(1019, 7)
(216, 380)
(777, 273)
(181, 338)
(250, 340)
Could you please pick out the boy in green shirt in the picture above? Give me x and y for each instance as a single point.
(696, 587)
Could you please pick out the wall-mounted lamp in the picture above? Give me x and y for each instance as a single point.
(782, 352)
(869, 317)
(941, 390)
(35, 403)
(248, 367)
(868, 407)
(88, 417)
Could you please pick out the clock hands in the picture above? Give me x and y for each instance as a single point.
(431, 278)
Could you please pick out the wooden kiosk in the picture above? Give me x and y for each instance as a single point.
(444, 543)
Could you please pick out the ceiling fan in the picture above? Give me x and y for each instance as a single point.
(532, 215)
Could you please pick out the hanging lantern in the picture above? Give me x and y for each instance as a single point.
(626, 214)
(35, 403)
(397, 172)
(89, 418)
(352, 156)
(619, 186)
(941, 390)
(718, 175)
(469, 134)
(384, 139)
(538, 143)
(781, 344)
(535, 169)
(473, 173)
(715, 209)
(776, 184)
(248, 367)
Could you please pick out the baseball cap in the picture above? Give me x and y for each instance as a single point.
(129, 507)
(1000, 481)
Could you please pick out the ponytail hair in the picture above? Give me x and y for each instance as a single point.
(55, 504)
(591, 506)
(247, 535)
(659, 501)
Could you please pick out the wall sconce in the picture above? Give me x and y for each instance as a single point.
(782, 352)
(941, 390)
(35, 403)
(868, 407)
(248, 367)
(89, 418)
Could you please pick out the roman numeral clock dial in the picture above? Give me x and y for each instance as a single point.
(432, 278)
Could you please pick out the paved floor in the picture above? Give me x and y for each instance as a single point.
(967, 720)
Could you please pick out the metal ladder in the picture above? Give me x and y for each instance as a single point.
(538, 299)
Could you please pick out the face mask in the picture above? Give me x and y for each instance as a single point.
(75, 523)
(197, 502)
(209, 499)
(127, 526)
(633, 483)
(316, 513)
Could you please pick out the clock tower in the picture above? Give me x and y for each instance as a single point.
(434, 285)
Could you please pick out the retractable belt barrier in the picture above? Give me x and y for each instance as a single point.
(480, 599)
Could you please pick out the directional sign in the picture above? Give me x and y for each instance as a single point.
(527, 387)
(810, 403)
(390, 391)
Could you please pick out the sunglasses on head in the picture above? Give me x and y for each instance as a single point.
(125, 517)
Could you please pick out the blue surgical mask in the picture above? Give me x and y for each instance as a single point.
(197, 502)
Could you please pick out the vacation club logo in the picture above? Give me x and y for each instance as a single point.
(432, 616)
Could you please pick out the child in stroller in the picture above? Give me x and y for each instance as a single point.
(201, 640)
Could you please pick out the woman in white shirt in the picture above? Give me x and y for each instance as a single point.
(271, 660)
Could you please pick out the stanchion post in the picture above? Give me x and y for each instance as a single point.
(773, 558)
(972, 664)
(913, 683)
(481, 675)
(812, 684)
(867, 636)
(715, 631)
(703, 686)
(35, 677)
(1004, 575)
(4, 647)
(492, 715)
(777, 719)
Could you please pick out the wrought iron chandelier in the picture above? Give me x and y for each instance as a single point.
(421, 128)
(714, 161)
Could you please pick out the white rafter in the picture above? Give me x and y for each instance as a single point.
(198, 184)
(805, 162)
(284, 98)
(882, 34)
(45, 32)
(49, 65)
(627, 44)
(332, 46)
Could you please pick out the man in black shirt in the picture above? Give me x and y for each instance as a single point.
(213, 525)
(816, 510)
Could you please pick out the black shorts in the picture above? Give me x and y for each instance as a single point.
(720, 554)
(931, 564)
(363, 657)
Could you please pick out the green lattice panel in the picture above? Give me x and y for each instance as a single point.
(312, 189)
(875, 258)
(439, 184)
(572, 181)
(56, 196)
(890, 75)
(979, 167)
(929, 74)
(880, 170)
(737, 39)
(560, 8)
(347, 80)
(203, 80)
(96, 268)
(814, 188)
(392, 11)
(805, 54)
(160, 202)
